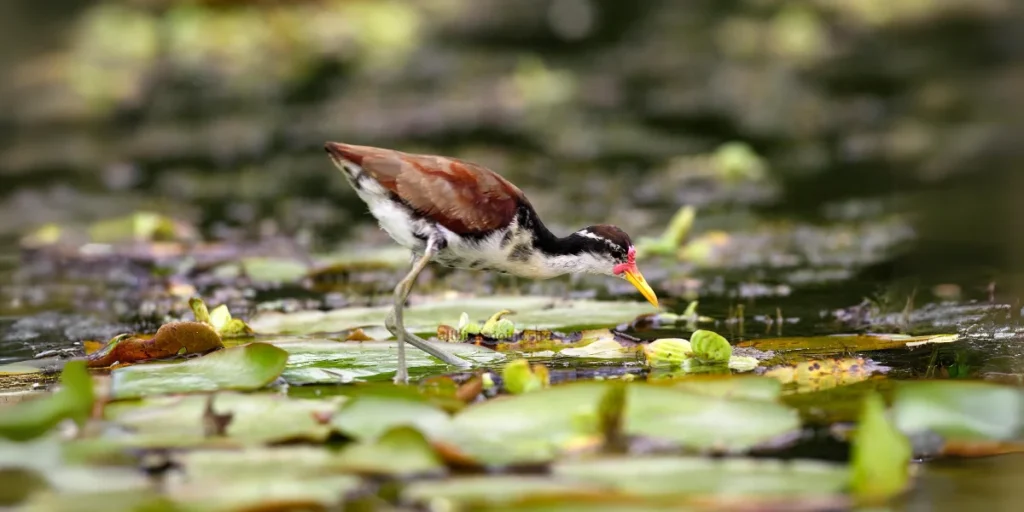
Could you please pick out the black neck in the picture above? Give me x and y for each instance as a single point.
(549, 243)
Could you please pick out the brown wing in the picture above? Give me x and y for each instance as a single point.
(462, 196)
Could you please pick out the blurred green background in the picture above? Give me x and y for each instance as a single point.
(602, 110)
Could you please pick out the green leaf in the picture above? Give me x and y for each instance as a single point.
(531, 312)
(710, 347)
(34, 417)
(519, 377)
(279, 478)
(530, 428)
(366, 417)
(845, 343)
(959, 410)
(750, 388)
(646, 483)
(312, 360)
(245, 367)
(669, 352)
(704, 422)
(664, 476)
(880, 455)
(254, 418)
(401, 451)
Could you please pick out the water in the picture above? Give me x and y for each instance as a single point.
(889, 200)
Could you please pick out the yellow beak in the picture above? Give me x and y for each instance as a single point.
(635, 278)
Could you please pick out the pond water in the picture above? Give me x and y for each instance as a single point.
(852, 172)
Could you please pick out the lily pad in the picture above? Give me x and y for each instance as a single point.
(959, 410)
(252, 479)
(43, 460)
(820, 374)
(529, 428)
(704, 422)
(751, 388)
(531, 312)
(846, 343)
(401, 451)
(639, 483)
(710, 347)
(519, 377)
(367, 417)
(880, 455)
(173, 339)
(245, 367)
(312, 361)
(265, 269)
(220, 319)
(664, 476)
(251, 419)
(32, 418)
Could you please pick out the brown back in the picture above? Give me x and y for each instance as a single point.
(462, 196)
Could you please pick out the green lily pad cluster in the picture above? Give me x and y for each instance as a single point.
(704, 350)
(496, 327)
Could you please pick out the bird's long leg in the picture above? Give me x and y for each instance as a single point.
(396, 326)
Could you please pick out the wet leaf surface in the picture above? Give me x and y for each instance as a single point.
(255, 419)
(880, 455)
(317, 360)
(965, 411)
(400, 451)
(173, 339)
(846, 343)
(529, 428)
(530, 312)
(245, 367)
(253, 479)
(368, 416)
(34, 417)
(702, 422)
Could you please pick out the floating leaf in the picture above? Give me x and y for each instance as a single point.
(140, 227)
(220, 319)
(880, 456)
(400, 451)
(519, 377)
(245, 367)
(647, 483)
(710, 347)
(846, 343)
(606, 348)
(818, 374)
(670, 241)
(265, 269)
(959, 410)
(704, 422)
(366, 417)
(532, 312)
(255, 419)
(666, 476)
(253, 479)
(528, 428)
(327, 361)
(173, 339)
(32, 418)
(667, 352)
(493, 491)
(751, 388)
(497, 327)
(743, 363)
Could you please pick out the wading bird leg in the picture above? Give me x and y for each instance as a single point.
(396, 326)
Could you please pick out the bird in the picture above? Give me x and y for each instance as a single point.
(460, 214)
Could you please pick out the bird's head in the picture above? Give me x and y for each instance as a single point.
(613, 253)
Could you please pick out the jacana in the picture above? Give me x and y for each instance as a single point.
(462, 215)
